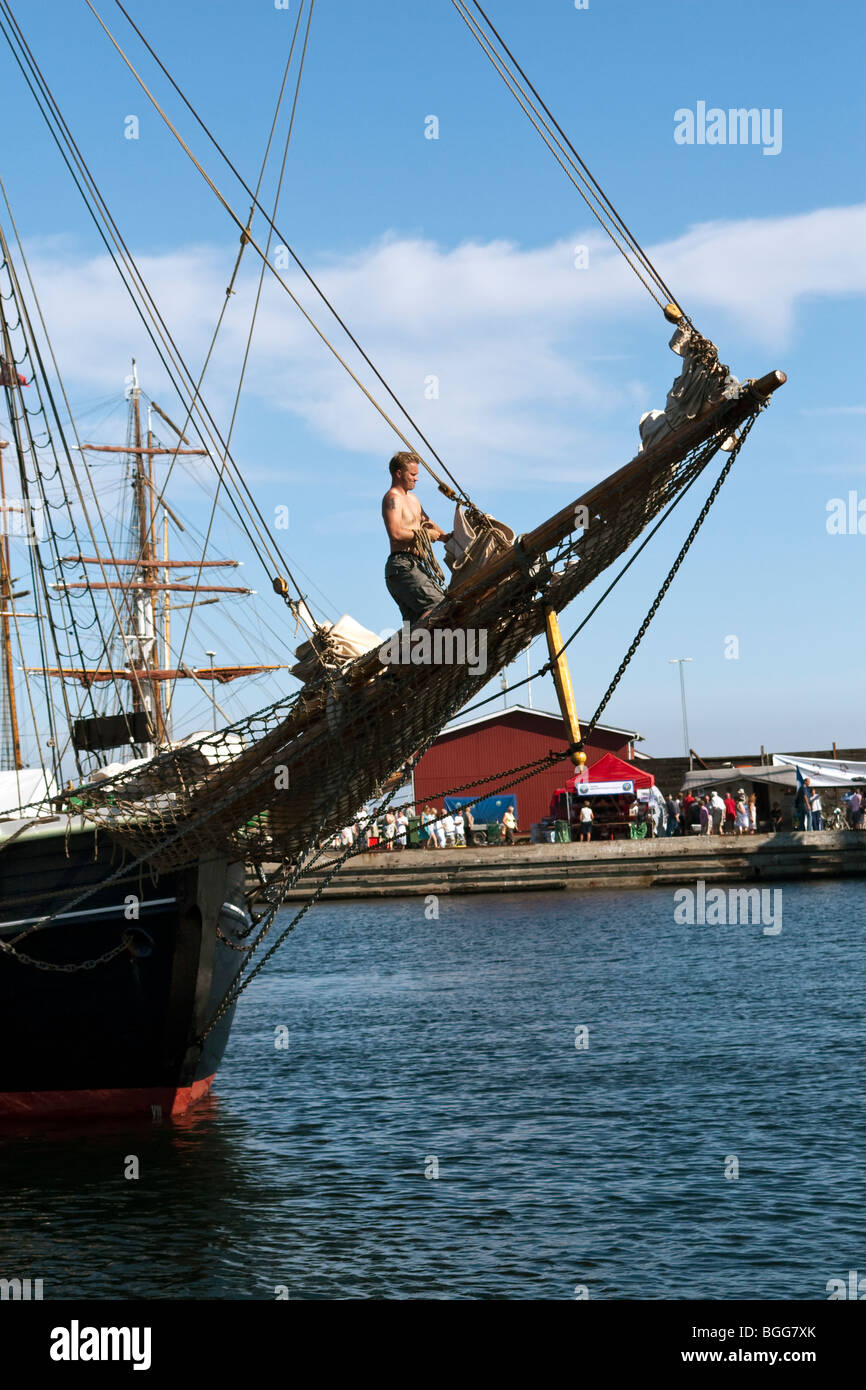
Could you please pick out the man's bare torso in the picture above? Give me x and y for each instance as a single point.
(407, 510)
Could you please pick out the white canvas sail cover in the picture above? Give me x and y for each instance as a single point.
(475, 541)
(338, 644)
(694, 389)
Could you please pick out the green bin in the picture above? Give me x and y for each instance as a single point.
(563, 832)
(414, 827)
(494, 833)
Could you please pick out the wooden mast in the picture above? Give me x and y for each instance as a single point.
(5, 632)
(148, 656)
(161, 729)
(147, 697)
(5, 570)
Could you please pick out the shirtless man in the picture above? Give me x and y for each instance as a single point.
(407, 576)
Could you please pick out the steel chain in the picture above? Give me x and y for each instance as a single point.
(70, 969)
(641, 632)
(526, 769)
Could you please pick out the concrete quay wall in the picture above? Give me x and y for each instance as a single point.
(580, 867)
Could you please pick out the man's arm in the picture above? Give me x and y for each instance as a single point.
(434, 532)
(395, 525)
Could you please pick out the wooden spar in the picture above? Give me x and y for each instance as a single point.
(562, 681)
(175, 518)
(157, 564)
(159, 410)
(463, 594)
(148, 585)
(138, 449)
(96, 676)
(551, 532)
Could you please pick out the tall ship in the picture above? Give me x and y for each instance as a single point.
(147, 848)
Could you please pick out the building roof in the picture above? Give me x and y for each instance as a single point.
(494, 715)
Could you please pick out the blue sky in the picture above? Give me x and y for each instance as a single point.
(454, 257)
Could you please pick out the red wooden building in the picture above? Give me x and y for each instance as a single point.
(500, 741)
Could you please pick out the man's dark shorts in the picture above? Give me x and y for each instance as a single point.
(410, 585)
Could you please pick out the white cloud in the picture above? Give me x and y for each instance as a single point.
(520, 340)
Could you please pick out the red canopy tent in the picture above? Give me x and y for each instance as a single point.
(607, 768)
(610, 768)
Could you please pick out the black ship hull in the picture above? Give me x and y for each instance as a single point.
(120, 1037)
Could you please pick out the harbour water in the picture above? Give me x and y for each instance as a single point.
(614, 1103)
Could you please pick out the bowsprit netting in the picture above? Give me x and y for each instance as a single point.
(300, 769)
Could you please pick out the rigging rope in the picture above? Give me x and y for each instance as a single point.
(443, 487)
(553, 757)
(137, 289)
(568, 158)
(40, 379)
(230, 291)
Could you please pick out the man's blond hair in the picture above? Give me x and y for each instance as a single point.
(402, 460)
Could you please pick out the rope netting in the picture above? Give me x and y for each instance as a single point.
(263, 788)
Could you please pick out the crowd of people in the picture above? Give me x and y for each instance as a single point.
(710, 813)
(855, 808)
(707, 813)
(435, 829)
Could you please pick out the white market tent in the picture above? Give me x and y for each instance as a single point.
(822, 772)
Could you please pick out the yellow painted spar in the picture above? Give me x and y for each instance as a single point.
(562, 681)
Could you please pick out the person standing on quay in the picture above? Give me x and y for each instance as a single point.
(817, 811)
(753, 814)
(585, 820)
(730, 815)
(742, 813)
(510, 825)
(706, 815)
(803, 806)
(718, 807)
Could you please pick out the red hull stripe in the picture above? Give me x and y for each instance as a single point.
(171, 1100)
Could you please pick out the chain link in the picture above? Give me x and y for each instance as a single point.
(233, 944)
(641, 632)
(70, 969)
(526, 770)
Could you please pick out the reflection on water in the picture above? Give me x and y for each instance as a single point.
(411, 1040)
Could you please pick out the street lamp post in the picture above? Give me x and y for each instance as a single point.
(680, 661)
